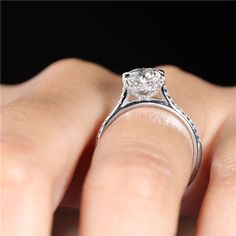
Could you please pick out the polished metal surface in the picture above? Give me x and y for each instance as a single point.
(165, 102)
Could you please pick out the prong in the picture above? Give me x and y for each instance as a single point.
(162, 72)
(126, 75)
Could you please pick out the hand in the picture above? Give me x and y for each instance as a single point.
(140, 167)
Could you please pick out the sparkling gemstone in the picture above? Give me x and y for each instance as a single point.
(143, 83)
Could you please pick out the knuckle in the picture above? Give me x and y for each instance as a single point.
(64, 69)
(21, 169)
(78, 71)
(15, 175)
(67, 63)
(21, 181)
(76, 66)
(140, 174)
(224, 171)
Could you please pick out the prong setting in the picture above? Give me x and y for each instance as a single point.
(143, 83)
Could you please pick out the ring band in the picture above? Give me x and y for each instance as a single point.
(140, 86)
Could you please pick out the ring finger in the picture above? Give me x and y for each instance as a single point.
(139, 172)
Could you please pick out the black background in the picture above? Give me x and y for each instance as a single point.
(198, 37)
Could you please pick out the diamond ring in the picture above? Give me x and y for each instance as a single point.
(140, 88)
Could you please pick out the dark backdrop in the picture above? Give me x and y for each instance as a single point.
(199, 37)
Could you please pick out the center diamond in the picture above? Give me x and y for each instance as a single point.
(143, 83)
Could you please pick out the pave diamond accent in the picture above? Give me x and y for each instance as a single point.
(143, 83)
(176, 107)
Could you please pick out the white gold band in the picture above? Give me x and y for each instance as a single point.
(166, 103)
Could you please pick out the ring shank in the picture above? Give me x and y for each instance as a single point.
(167, 104)
(157, 103)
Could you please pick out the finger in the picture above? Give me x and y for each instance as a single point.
(218, 211)
(139, 172)
(26, 204)
(200, 103)
(44, 132)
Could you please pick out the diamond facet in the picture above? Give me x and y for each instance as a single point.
(143, 83)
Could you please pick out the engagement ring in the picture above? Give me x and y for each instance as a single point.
(140, 88)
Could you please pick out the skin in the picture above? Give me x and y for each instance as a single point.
(140, 168)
